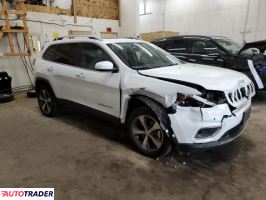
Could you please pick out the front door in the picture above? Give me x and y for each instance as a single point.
(204, 51)
(98, 89)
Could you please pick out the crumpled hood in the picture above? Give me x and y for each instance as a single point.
(260, 45)
(209, 77)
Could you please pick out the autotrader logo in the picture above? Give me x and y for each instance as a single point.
(27, 193)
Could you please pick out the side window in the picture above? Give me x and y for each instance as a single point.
(90, 54)
(178, 46)
(204, 47)
(50, 53)
(65, 53)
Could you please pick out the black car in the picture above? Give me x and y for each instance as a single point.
(222, 52)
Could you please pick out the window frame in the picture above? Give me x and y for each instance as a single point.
(199, 39)
(116, 66)
(186, 41)
(75, 54)
(92, 43)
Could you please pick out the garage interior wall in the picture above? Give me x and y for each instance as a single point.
(44, 25)
(129, 20)
(238, 19)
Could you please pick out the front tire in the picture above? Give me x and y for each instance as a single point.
(47, 102)
(146, 134)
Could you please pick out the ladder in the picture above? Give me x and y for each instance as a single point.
(9, 30)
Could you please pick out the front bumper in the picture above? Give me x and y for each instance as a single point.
(187, 122)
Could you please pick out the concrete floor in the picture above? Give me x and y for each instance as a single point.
(85, 158)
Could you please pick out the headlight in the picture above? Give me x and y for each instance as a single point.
(194, 101)
(184, 100)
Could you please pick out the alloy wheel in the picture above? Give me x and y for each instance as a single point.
(147, 133)
(45, 101)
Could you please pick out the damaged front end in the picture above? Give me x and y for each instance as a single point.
(211, 119)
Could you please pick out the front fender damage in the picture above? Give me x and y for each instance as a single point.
(160, 112)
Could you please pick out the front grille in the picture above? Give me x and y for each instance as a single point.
(236, 97)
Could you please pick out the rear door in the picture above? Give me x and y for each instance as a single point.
(62, 71)
(204, 51)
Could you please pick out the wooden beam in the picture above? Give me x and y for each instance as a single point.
(10, 37)
(2, 11)
(74, 7)
(26, 34)
(1, 34)
(15, 12)
(15, 30)
(16, 54)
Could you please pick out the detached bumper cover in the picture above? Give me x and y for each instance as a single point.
(228, 137)
(187, 122)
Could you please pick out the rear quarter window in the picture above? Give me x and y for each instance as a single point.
(50, 52)
(62, 53)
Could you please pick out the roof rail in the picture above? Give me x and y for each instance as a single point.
(136, 38)
(78, 36)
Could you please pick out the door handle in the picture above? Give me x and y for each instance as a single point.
(50, 69)
(80, 76)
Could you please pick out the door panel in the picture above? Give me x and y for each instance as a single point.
(99, 90)
(206, 52)
(179, 48)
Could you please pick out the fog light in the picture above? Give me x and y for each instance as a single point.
(206, 133)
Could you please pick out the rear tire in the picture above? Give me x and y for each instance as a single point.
(47, 102)
(146, 134)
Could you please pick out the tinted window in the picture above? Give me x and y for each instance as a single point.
(65, 53)
(50, 53)
(61, 53)
(90, 54)
(204, 47)
(178, 46)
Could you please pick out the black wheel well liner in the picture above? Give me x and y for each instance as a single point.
(40, 82)
(158, 109)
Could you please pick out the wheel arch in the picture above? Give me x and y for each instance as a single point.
(140, 100)
(41, 82)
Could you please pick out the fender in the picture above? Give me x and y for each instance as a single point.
(160, 112)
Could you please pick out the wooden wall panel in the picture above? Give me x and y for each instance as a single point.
(102, 9)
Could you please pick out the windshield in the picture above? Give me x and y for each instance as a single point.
(231, 46)
(140, 55)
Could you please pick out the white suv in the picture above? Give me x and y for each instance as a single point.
(160, 99)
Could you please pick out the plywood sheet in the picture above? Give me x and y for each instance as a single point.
(102, 9)
(155, 35)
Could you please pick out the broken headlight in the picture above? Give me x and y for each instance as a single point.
(184, 100)
(207, 99)
(217, 97)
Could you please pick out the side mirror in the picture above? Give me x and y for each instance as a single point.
(105, 66)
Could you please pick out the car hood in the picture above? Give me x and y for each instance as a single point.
(209, 77)
(261, 45)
